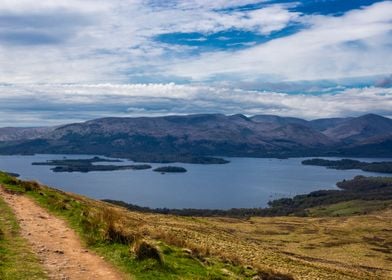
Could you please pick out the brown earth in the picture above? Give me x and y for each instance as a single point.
(59, 249)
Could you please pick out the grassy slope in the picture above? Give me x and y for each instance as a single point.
(349, 208)
(16, 259)
(350, 247)
(94, 220)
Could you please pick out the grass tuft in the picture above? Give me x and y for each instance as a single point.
(146, 250)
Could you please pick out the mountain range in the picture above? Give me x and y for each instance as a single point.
(193, 137)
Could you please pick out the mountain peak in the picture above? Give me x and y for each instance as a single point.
(373, 117)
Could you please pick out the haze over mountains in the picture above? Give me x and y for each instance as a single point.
(186, 138)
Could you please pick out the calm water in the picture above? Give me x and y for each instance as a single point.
(244, 182)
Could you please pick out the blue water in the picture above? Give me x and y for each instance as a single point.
(244, 182)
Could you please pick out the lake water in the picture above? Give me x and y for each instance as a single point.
(244, 182)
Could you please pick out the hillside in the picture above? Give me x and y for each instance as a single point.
(334, 243)
(23, 133)
(192, 138)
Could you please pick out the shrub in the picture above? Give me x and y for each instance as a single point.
(104, 224)
(117, 235)
(145, 250)
(268, 274)
(30, 185)
(113, 232)
(11, 181)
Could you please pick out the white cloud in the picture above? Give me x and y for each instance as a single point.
(56, 103)
(98, 47)
(29, 6)
(93, 41)
(356, 44)
(113, 41)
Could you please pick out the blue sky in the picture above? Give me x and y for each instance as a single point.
(64, 61)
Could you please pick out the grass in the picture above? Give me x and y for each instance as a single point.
(349, 208)
(16, 259)
(100, 226)
(337, 243)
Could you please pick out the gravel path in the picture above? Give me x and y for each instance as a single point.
(57, 246)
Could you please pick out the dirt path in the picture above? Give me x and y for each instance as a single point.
(57, 246)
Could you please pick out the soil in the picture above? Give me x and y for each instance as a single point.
(57, 246)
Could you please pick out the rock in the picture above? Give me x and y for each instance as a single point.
(226, 272)
(187, 251)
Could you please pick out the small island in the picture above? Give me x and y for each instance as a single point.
(170, 169)
(16, 175)
(173, 158)
(87, 165)
(346, 164)
(66, 161)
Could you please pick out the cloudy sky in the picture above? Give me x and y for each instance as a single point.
(72, 60)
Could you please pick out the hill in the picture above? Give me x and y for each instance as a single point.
(335, 242)
(194, 138)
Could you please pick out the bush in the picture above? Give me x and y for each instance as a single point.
(272, 275)
(116, 235)
(11, 181)
(104, 224)
(113, 232)
(30, 186)
(145, 250)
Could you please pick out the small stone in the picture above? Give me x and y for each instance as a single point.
(225, 272)
(187, 251)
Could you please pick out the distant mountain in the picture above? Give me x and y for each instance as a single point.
(187, 138)
(278, 120)
(23, 133)
(324, 124)
(366, 129)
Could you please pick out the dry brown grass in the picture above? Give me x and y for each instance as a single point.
(307, 248)
(356, 247)
(144, 249)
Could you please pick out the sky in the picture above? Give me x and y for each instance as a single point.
(75, 60)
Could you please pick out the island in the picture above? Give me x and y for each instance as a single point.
(87, 165)
(170, 169)
(345, 164)
(172, 158)
(66, 161)
(16, 175)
